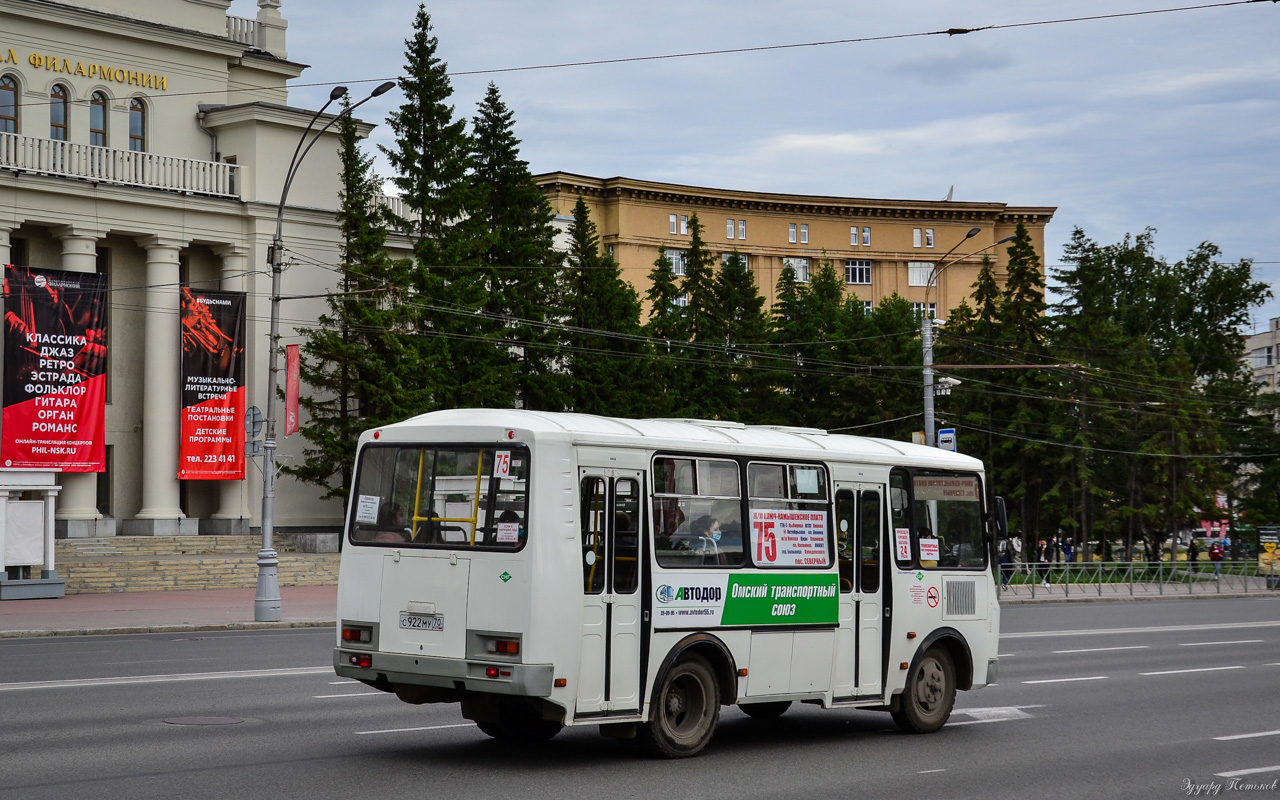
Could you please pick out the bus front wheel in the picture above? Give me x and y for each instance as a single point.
(685, 710)
(925, 705)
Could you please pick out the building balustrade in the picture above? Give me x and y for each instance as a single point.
(118, 167)
(242, 30)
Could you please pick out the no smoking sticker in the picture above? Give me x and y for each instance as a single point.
(932, 597)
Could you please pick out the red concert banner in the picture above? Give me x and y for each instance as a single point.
(55, 376)
(213, 388)
(292, 362)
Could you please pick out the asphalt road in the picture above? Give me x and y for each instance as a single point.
(1096, 700)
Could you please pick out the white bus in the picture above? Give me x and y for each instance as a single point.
(550, 570)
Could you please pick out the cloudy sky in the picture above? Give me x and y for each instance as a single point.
(1163, 120)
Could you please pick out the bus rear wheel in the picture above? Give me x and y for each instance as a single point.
(685, 710)
(925, 705)
(765, 710)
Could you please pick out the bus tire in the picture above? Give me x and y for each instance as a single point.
(765, 710)
(684, 710)
(926, 702)
(491, 729)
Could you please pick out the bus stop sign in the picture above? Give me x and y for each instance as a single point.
(947, 439)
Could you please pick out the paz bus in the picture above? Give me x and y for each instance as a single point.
(547, 570)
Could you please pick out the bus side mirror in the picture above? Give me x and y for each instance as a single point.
(1000, 518)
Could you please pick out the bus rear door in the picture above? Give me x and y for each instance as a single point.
(859, 539)
(609, 671)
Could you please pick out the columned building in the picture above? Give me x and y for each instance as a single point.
(1262, 350)
(147, 140)
(879, 246)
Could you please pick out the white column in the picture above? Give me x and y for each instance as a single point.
(79, 489)
(4, 245)
(161, 398)
(50, 505)
(233, 500)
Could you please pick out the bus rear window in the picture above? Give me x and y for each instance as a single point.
(454, 496)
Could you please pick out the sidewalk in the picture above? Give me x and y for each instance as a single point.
(164, 612)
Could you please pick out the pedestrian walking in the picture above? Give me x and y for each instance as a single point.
(1042, 555)
(1193, 555)
(1215, 555)
(1004, 551)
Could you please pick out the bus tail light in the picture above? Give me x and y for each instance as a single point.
(362, 660)
(357, 634)
(509, 647)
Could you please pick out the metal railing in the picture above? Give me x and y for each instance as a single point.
(119, 167)
(1134, 578)
(396, 206)
(242, 30)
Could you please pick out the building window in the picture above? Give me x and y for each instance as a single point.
(682, 301)
(866, 237)
(609, 249)
(853, 236)
(867, 308)
(915, 237)
(918, 273)
(725, 258)
(730, 228)
(58, 113)
(857, 271)
(918, 308)
(742, 229)
(798, 265)
(791, 232)
(928, 237)
(8, 105)
(676, 257)
(684, 225)
(98, 119)
(137, 126)
(804, 234)
(1263, 357)
(672, 219)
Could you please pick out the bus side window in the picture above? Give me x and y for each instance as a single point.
(626, 536)
(593, 549)
(846, 540)
(899, 506)
(869, 516)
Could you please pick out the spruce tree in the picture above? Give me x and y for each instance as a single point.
(605, 355)
(666, 374)
(431, 161)
(750, 395)
(520, 266)
(356, 358)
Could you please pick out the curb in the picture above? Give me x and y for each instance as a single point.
(191, 628)
(1142, 598)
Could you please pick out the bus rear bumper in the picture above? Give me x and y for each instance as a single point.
(521, 680)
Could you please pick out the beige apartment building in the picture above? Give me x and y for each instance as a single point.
(879, 246)
(1261, 353)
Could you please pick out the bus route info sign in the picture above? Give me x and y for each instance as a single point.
(789, 538)
(709, 600)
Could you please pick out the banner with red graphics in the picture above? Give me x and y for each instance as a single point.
(55, 370)
(213, 332)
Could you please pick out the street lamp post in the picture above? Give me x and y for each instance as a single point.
(266, 603)
(926, 328)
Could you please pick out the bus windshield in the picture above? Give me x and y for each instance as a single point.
(455, 496)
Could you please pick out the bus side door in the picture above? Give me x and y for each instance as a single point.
(609, 669)
(859, 540)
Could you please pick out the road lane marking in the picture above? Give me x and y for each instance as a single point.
(1245, 736)
(1207, 644)
(1181, 671)
(1069, 680)
(1215, 627)
(929, 771)
(343, 683)
(79, 683)
(354, 694)
(411, 730)
(1103, 649)
(1254, 771)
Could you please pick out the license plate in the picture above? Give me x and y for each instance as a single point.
(421, 622)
